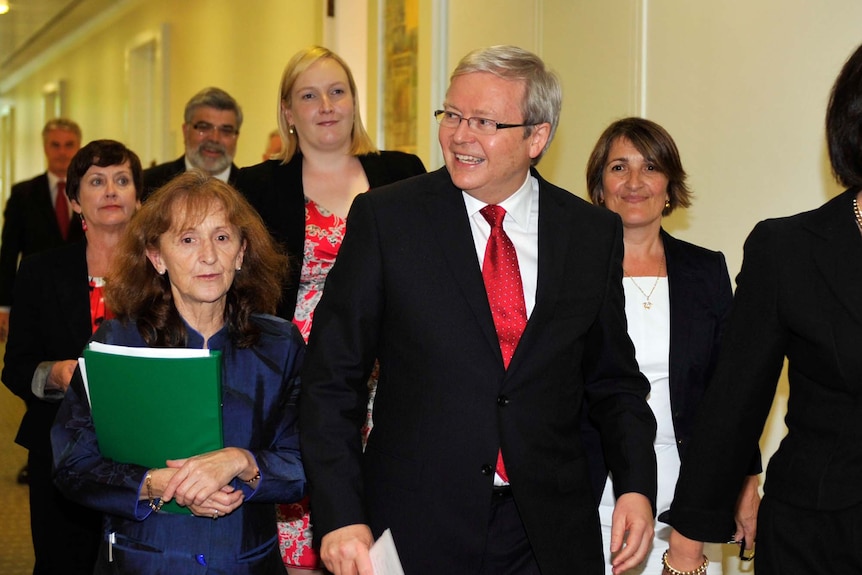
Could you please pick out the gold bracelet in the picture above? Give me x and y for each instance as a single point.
(253, 480)
(699, 571)
(155, 503)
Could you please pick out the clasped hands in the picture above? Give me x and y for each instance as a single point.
(202, 482)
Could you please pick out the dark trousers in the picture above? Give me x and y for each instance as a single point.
(796, 541)
(65, 535)
(507, 551)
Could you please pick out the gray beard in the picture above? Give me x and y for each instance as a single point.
(211, 166)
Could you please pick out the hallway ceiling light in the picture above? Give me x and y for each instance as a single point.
(4, 6)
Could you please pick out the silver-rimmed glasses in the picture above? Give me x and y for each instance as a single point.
(483, 126)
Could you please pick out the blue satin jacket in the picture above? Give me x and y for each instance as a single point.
(260, 388)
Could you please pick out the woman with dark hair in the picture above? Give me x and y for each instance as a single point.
(196, 269)
(797, 299)
(678, 296)
(59, 303)
(303, 196)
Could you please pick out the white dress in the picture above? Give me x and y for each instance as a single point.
(649, 330)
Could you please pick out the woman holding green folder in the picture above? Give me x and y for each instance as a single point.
(196, 269)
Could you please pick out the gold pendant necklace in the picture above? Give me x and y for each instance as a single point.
(647, 303)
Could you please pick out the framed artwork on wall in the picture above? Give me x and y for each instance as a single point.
(400, 65)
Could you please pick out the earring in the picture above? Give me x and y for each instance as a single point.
(291, 130)
(83, 223)
(239, 268)
(667, 204)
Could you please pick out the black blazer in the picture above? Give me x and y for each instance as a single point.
(700, 298)
(29, 226)
(276, 191)
(797, 297)
(158, 176)
(49, 322)
(407, 289)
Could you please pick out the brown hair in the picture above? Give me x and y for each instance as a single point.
(655, 144)
(136, 292)
(102, 153)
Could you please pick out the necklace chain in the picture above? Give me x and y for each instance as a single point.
(648, 304)
(857, 213)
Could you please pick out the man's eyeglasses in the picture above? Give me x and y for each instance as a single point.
(205, 129)
(478, 125)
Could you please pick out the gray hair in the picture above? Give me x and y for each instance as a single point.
(543, 95)
(61, 124)
(213, 98)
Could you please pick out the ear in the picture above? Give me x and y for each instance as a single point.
(288, 114)
(240, 256)
(538, 138)
(76, 207)
(155, 257)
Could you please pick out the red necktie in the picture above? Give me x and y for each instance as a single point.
(61, 207)
(502, 278)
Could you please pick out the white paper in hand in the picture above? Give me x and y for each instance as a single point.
(384, 556)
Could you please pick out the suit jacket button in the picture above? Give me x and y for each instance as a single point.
(487, 469)
(502, 401)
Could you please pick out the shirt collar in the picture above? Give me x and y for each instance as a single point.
(53, 179)
(517, 205)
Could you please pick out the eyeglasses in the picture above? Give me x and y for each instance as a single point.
(483, 126)
(205, 129)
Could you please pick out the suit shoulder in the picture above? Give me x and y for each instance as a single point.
(261, 182)
(161, 173)
(56, 256)
(689, 249)
(398, 157)
(275, 330)
(30, 186)
(386, 167)
(837, 211)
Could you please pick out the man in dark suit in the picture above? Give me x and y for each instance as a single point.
(475, 462)
(211, 124)
(30, 220)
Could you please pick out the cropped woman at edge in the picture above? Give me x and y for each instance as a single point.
(797, 299)
(678, 296)
(304, 196)
(58, 305)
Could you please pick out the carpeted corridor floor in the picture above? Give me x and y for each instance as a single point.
(16, 550)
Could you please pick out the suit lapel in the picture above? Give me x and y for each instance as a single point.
(839, 255)
(47, 212)
(682, 294)
(556, 226)
(450, 228)
(555, 229)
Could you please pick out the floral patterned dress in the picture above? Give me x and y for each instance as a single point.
(324, 232)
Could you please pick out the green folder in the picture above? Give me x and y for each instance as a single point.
(154, 404)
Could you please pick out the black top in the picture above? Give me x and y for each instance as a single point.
(276, 191)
